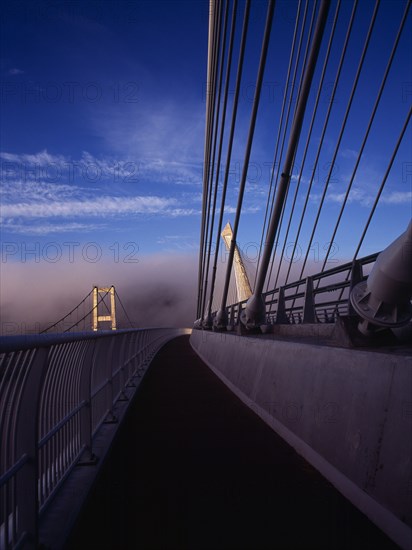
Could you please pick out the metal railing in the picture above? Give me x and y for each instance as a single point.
(318, 298)
(55, 393)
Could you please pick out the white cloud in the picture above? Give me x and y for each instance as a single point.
(15, 71)
(38, 191)
(397, 197)
(47, 186)
(348, 153)
(246, 210)
(125, 168)
(161, 131)
(356, 195)
(43, 158)
(183, 243)
(364, 198)
(100, 206)
(50, 228)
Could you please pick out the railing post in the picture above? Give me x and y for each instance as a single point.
(132, 360)
(26, 444)
(121, 354)
(239, 313)
(85, 395)
(281, 317)
(309, 303)
(138, 359)
(231, 322)
(356, 276)
(110, 365)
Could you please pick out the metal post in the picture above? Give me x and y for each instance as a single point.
(26, 435)
(309, 303)
(109, 346)
(113, 307)
(356, 276)
(255, 308)
(281, 317)
(85, 384)
(94, 317)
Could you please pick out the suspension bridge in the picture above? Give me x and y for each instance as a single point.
(86, 314)
(283, 418)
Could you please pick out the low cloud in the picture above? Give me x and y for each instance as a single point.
(156, 291)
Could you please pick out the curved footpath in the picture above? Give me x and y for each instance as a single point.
(194, 468)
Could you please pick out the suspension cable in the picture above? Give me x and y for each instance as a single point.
(335, 86)
(284, 136)
(282, 112)
(231, 136)
(292, 146)
(256, 100)
(101, 299)
(226, 93)
(321, 80)
(67, 315)
(385, 177)
(219, 62)
(210, 106)
(124, 309)
(365, 138)
(210, 92)
(343, 126)
(209, 231)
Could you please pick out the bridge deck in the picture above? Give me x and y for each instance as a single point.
(194, 468)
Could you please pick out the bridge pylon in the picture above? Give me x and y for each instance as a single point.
(96, 318)
(244, 291)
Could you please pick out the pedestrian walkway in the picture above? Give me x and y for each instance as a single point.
(193, 468)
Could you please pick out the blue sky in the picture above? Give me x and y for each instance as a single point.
(103, 121)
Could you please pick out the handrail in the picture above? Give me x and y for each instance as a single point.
(30, 341)
(338, 306)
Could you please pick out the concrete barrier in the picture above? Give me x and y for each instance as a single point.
(348, 412)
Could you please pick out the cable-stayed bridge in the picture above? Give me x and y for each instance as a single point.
(319, 350)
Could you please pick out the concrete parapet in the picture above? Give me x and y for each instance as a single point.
(347, 411)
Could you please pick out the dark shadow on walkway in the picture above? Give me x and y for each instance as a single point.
(194, 468)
